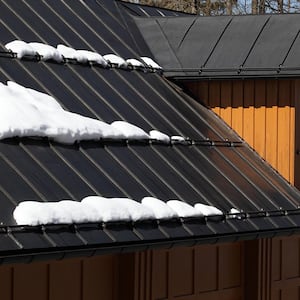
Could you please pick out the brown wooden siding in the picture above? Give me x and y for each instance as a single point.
(285, 270)
(260, 111)
(77, 279)
(191, 273)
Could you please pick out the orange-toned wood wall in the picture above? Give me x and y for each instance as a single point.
(260, 111)
(191, 273)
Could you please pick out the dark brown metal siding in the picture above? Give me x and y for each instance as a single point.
(76, 279)
(260, 111)
(190, 273)
(285, 272)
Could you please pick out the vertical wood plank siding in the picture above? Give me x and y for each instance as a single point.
(285, 268)
(192, 273)
(76, 279)
(262, 112)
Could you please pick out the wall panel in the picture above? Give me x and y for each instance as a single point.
(193, 273)
(261, 111)
(76, 279)
(6, 282)
(28, 284)
(285, 268)
(99, 277)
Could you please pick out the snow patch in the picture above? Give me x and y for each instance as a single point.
(207, 210)
(101, 209)
(115, 60)
(92, 57)
(177, 139)
(160, 209)
(21, 48)
(130, 131)
(82, 56)
(134, 63)
(63, 212)
(61, 51)
(159, 136)
(151, 63)
(183, 209)
(46, 51)
(234, 211)
(26, 112)
(116, 209)
(71, 53)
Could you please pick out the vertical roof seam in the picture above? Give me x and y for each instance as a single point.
(257, 37)
(166, 39)
(74, 170)
(46, 170)
(186, 33)
(217, 42)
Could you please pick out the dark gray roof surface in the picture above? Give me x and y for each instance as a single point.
(215, 167)
(137, 9)
(224, 46)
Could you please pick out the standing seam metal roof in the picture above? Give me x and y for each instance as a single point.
(224, 46)
(214, 167)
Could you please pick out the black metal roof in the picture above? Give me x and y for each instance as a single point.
(224, 46)
(215, 166)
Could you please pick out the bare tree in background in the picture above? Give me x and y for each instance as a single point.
(226, 7)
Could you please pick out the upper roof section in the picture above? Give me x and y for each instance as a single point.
(150, 11)
(92, 25)
(224, 46)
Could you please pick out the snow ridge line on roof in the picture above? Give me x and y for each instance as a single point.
(93, 209)
(63, 54)
(101, 210)
(28, 113)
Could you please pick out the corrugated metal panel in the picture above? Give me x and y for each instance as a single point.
(213, 169)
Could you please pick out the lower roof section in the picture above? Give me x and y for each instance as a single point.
(55, 242)
(225, 176)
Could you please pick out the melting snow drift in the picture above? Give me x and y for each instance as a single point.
(47, 52)
(26, 112)
(100, 209)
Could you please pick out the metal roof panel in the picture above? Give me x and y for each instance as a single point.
(213, 167)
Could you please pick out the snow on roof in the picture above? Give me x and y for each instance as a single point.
(134, 63)
(130, 131)
(26, 112)
(160, 209)
(151, 63)
(92, 57)
(115, 60)
(207, 210)
(183, 209)
(21, 48)
(116, 209)
(58, 54)
(46, 51)
(177, 139)
(100, 209)
(159, 136)
(82, 56)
